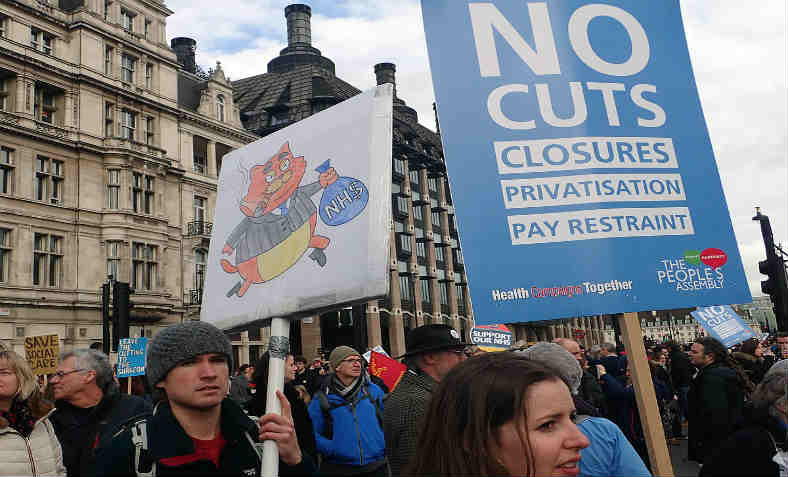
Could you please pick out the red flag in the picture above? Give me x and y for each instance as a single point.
(387, 369)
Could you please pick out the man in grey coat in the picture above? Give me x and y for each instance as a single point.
(432, 351)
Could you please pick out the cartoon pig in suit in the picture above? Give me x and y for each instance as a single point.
(279, 223)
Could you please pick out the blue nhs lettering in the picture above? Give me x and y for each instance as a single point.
(543, 60)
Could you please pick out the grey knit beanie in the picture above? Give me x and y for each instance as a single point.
(177, 343)
(340, 354)
(561, 360)
(780, 367)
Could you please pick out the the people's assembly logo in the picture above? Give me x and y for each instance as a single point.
(696, 270)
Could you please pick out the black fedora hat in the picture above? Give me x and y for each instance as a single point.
(432, 338)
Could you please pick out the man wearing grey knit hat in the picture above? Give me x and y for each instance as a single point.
(196, 428)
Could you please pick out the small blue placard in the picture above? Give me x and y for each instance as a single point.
(724, 324)
(131, 357)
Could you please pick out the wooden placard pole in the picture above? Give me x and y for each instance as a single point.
(278, 347)
(644, 394)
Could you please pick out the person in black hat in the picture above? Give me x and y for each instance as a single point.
(432, 351)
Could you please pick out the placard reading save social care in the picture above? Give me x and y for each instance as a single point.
(575, 132)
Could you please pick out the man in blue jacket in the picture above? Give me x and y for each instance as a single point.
(347, 417)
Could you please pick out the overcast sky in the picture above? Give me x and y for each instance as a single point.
(738, 52)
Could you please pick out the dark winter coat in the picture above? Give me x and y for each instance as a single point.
(403, 418)
(681, 369)
(621, 399)
(240, 392)
(167, 439)
(749, 450)
(301, 420)
(715, 400)
(81, 431)
(592, 393)
(754, 368)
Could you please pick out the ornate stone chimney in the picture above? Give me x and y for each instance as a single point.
(299, 25)
(185, 51)
(385, 73)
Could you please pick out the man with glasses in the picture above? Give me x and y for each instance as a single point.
(89, 407)
(347, 418)
(431, 352)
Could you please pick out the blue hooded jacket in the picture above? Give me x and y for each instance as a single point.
(357, 437)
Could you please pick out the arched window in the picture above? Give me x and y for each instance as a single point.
(200, 260)
(220, 108)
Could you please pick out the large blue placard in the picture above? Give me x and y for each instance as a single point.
(583, 175)
(724, 324)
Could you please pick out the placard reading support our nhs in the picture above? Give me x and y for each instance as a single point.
(574, 131)
(724, 324)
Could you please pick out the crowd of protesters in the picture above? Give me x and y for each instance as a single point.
(540, 409)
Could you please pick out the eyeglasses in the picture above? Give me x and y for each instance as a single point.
(60, 374)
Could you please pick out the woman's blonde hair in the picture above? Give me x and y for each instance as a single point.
(28, 384)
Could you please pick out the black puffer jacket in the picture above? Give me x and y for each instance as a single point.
(749, 450)
(716, 400)
(80, 431)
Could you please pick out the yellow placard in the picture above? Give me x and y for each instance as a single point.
(42, 353)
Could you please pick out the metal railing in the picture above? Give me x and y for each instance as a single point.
(198, 228)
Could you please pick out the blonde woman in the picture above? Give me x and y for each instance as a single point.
(28, 445)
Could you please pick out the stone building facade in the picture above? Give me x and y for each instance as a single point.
(109, 153)
(428, 282)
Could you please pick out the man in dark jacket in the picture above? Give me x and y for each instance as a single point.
(197, 430)
(89, 407)
(590, 390)
(432, 351)
(681, 372)
(715, 398)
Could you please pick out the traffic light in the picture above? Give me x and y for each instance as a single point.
(105, 319)
(120, 312)
(776, 285)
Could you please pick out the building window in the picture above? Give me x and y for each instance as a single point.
(278, 118)
(436, 219)
(45, 105)
(439, 257)
(41, 40)
(405, 244)
(444, 290)
(6, 170)
(200, 151)
(220, 108)
(200, 261)
(4, 21)
(414, 180)
(109, 54)
(49, 180)
(199, 208)
(113, 258)
(149, 130)
(142, 193)
(399, 166)
(47, 260)
(146, 31)
(127, 20)
(144, 258)
(5, 254)
(4, 94)
(113, 189)
(109, 119)
(127, 65)
(432, 183)
(128, 123)
(421, 250)
(149, 75)
(426, 291)
(417, 213)
(405, 292)
(401, 206)
(107, 9)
